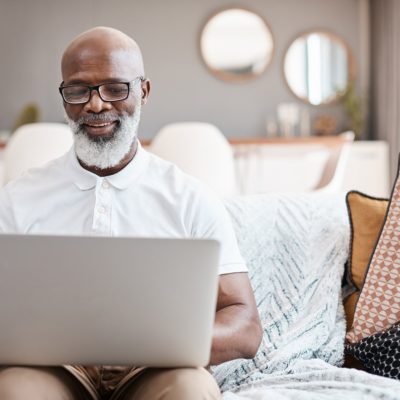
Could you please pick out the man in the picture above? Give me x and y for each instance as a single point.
(108, 185)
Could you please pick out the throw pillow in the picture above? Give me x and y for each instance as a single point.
(366, 215)
(378, 306)
(379, 353)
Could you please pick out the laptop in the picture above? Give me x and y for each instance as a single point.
(107, 300)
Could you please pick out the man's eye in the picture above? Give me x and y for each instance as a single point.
(115, 89)
(75, 91)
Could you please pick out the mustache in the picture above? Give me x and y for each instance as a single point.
(87, 119)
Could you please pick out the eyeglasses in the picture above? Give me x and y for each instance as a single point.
(113, 91)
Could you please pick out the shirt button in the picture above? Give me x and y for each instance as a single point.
(101, 210)
(105, 185)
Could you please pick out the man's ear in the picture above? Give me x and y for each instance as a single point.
(146, 86)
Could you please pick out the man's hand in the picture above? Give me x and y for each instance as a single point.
(237, 329)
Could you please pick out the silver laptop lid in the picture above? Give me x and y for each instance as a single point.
(96, 300)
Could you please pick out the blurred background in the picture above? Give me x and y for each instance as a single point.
(259, 70)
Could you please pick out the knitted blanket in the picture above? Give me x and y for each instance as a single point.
(295, 247)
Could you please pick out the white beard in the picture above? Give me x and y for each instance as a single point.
(105, 152)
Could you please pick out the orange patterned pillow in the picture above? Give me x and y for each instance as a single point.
(366, 215)
(378, 305)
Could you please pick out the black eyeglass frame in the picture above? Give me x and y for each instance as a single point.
(96, 88)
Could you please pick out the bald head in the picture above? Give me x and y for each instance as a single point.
(100, 45)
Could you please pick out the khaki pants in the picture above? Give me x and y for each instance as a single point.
(107, 383)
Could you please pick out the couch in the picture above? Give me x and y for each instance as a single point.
(296, 247)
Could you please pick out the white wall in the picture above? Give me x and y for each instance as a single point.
(33, 35)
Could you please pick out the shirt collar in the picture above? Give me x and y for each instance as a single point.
(86, 180)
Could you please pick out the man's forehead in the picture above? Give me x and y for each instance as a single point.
(91, 55)
(89, 62)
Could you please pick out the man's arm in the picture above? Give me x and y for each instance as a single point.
(237, 328)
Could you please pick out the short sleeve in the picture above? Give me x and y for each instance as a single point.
(209, 219)
(7, 220)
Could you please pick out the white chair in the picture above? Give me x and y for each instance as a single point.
(332, 178)
(200, 150)
(33, 145)
(294, 164)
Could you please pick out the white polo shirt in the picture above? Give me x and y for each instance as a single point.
(148, 198)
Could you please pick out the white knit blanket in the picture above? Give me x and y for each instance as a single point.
(316, 380)
(295, 247)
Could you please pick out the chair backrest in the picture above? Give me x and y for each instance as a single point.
(334, 172)
(200, 150)
(33, 145)
(293, 164)
(279, 168)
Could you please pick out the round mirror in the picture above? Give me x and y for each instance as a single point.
(318, 66)
(236, 45)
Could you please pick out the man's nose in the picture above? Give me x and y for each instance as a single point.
(96, 104)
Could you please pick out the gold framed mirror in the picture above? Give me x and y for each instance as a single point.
(318, 65)
(236, 44)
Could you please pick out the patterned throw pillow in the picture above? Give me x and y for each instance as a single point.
(366, 215)
(378, 306)
(379, 353)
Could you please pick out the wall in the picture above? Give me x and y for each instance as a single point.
(33, 35)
